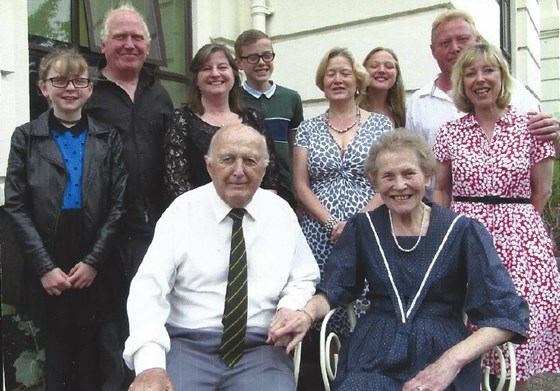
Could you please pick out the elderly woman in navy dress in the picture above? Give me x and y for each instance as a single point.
(425, 265)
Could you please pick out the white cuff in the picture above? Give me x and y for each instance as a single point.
(151, 355)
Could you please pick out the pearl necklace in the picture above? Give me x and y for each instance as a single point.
(357, 122)
(408, 250)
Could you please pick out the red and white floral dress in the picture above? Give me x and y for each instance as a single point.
(501, 166)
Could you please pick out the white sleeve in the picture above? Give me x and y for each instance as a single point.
(523, 100)
(148, 304)
(304, 275)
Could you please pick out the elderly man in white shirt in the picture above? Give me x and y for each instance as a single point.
(176, 301)
(431, 106)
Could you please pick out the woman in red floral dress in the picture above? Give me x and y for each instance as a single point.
(491, 168)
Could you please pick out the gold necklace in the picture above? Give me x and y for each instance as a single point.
(408, 250)
(214, 121)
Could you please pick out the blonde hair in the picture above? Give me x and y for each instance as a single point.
(396, 98)
(67, 62)
(453, 14)
(491, 55)
(125, 7)
(362, 77)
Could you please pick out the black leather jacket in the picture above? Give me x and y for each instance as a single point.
(36, 180)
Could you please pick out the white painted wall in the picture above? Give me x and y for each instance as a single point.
(14, 76)
(550, 55)
(304, 30)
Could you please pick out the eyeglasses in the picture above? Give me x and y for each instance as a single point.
(61, 82)
(255, 58)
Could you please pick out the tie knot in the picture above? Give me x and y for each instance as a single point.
(236, 214)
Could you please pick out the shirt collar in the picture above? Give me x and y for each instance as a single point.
(221, 209)
(508, 119)
(432, 90)
(257, 94)
(144, 77)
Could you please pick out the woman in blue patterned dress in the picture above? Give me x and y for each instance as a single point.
(328, 161)
(425, 265)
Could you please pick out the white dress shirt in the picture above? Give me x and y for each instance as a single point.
(430, 107)
(182, 279)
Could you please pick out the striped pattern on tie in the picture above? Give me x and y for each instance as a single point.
(235, 310)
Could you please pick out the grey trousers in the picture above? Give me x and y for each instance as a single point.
(194, 364)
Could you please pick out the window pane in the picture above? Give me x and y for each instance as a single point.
(37, 102)
(84, 40)
(178, 92)
(173, 13)
(49, 22)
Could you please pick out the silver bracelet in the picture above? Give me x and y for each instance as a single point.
(331, 222)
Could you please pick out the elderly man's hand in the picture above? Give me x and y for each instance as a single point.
(288, 327)
(153, 379)
(544, 126)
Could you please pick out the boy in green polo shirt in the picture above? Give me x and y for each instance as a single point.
(280, 107)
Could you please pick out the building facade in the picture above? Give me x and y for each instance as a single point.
(301, 30)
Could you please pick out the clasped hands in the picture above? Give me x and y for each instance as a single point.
(288, 327)
(80, 276)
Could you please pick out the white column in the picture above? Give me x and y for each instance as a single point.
(259, 12)
(14, 76)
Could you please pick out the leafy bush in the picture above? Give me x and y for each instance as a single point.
(30, 364)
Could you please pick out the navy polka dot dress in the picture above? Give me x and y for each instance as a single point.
(417, 298)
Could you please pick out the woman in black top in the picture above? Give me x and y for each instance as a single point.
(213, 103)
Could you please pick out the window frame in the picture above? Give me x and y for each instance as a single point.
(156, 57)
(506, 41)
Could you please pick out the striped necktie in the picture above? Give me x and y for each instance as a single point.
(235, 310)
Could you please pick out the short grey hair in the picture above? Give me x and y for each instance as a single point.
(126, 7)
(397, 140)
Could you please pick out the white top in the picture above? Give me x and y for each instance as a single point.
(430, 107)
(182, 279)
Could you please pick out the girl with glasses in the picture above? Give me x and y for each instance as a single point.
(64, 195)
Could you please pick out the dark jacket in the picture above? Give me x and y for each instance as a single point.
(35, 183)
(141, 124)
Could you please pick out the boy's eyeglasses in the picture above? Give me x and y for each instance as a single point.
(255, 58)
(61, 82)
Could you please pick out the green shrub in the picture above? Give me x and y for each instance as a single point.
(30, 364)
